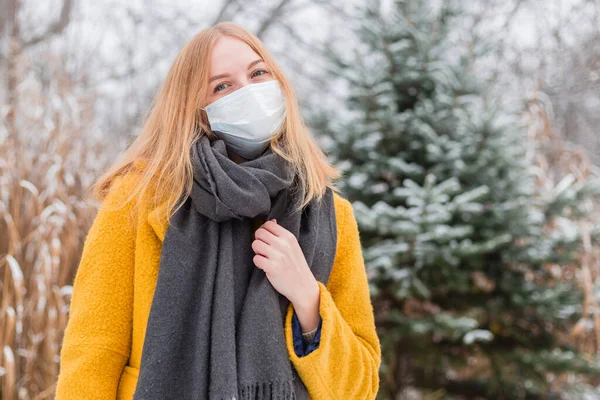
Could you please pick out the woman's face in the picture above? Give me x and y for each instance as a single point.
(233, 65)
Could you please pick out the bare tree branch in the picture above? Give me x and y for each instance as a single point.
(225, 13)
(55, 28)
(276, 14)
(4, 16)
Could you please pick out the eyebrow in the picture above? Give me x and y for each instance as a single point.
(226, 75)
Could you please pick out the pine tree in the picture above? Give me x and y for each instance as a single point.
(455, 232)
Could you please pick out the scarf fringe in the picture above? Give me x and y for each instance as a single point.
(272, 390)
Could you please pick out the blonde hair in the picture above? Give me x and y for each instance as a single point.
(175, 120)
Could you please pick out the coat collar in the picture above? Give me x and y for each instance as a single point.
(158, 220)
(157, 215)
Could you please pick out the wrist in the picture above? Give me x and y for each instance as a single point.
(308, 299)
(307, 308)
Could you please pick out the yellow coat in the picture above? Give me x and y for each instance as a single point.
(112, 294)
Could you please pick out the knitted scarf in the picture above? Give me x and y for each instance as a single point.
(216, 324)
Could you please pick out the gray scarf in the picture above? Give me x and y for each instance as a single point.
(216, 324)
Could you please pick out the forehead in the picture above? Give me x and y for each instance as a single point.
(230, 53)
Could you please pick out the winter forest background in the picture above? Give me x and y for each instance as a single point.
(467, 132)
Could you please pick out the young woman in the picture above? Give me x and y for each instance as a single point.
(223, 263)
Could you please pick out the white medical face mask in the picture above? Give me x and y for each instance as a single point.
(248, 118)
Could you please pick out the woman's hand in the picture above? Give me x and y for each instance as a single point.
(278, 253)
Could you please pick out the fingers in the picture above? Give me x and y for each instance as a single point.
(262, 262)
(265, 235)
(272, 242)
(262, 248)
(275, 228)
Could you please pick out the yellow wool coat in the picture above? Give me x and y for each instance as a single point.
(112, 294)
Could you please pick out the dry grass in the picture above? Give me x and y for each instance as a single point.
(558, 159)
(49, 157)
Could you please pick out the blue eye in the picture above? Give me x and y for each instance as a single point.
(259, 70)
(217, 87)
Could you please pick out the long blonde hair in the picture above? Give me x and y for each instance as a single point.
(175, 120)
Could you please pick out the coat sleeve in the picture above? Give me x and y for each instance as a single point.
(97, 340)
(346, 363)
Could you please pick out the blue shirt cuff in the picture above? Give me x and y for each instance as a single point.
(300, 348)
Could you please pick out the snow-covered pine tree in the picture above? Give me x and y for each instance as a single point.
(455, 234)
